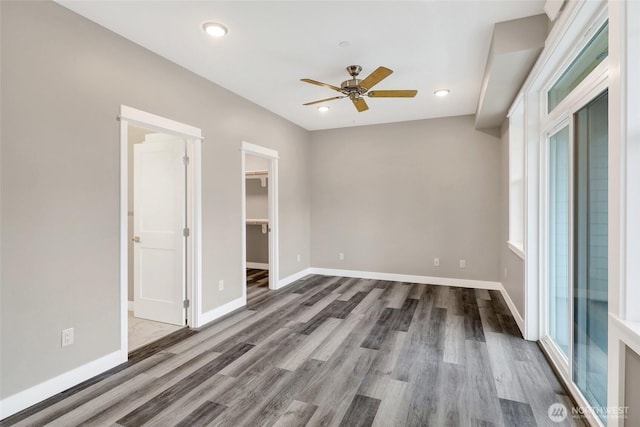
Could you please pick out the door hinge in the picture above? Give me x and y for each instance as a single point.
(185, 303)
(185, 160)
(186, 232)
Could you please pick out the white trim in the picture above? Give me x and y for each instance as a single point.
(294, 277)
(622, 334)
(124, 240)
(193, 136)
(22, 400)
(627, 332)
(409, 278)
(272, 198)
(130, 305)
(259, 150)
(514, 310)
(195, 155)
(224, 309)
(516, 249)
(258, 265)
(153, 122)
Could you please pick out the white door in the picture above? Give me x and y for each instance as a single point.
(158, 224)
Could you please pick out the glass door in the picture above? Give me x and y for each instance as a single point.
(590, 260)
(559, 237)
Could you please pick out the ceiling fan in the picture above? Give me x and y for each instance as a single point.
(355, 88)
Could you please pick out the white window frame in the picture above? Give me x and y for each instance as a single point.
(517, 177)
(624, 197)
(594, 84)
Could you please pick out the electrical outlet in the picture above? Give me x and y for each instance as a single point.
(341, 256)
(298, 258)
(221, 285)
(463, 263)
(67, 337)
(436, 262)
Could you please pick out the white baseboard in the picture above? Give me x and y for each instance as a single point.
(131, 306)
(514, 311)
(394, 277)
(292, 278)
(22, 400)
(224, 309)
(258, 265)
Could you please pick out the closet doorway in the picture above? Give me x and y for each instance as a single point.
(260, 220)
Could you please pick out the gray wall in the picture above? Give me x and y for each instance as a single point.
(511, 265)
(257, 245)
(392, 197)
(63, 81)
(632, 387)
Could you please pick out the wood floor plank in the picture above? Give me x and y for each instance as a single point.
(328, 347)
(361, 412)
(149, 409)
(480, 389)
(399, 294)
(328, 351)
(207, 391)
(394, 406)
(507, 382)
(517, 414)
(297, 414)
(311, 342)
(203, 415)
(454, 340)
(472, 322)
(277, 399)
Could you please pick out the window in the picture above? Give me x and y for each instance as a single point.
(590, 263)
(593, 54)
(559, 234)
(516, 178)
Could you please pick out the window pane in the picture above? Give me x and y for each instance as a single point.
(591, 245)
(559, 239)
(593, 54)
(516, 176)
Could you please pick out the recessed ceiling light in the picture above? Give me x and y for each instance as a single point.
(215, 29)
(323, 108)
(441, 92)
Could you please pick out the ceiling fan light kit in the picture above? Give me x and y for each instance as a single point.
(355, 89)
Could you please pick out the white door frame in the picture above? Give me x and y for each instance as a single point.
(131, 116)
(272, 196)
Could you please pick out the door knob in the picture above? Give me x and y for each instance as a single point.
(136, 239)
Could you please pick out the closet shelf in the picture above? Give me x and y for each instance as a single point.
(261, 175)
(262, 222)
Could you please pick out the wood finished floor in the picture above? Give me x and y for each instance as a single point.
(257, 285)
(328, 351)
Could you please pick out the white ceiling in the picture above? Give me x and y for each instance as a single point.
(271, 45)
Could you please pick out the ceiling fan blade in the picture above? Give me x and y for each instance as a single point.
(315, 82)
(392, 93)
(323, 100)
(360, 104)
(376, 77)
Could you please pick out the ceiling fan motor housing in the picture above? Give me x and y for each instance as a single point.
(352, 86)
